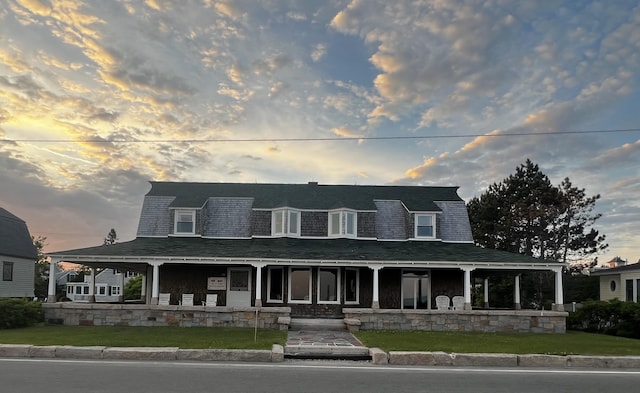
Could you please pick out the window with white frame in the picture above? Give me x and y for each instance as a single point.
(275, 284)
(300, 285)
(285, 222)
(425, 226)
(351, 286)
(102, 290)
(115, 291)
(328, 285)
(185, 222)
(343, 223)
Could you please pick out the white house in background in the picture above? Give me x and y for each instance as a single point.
(622, 283)
(17, 257)
(109, 286)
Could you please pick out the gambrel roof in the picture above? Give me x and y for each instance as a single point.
(15, 239)
(305, 196)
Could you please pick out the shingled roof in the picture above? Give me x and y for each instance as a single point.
(15, 240)
(305, 196)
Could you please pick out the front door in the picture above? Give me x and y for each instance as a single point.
(416, 291)
(239, 288)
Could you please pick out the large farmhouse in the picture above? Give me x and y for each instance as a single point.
(379, 257)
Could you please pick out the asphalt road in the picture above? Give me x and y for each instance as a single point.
(69, 376)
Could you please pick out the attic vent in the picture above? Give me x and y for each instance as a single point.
(313, 183)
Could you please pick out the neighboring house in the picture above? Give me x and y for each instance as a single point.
(615, 262)
(621, 283)
(318, 249)
(17, 256)
(109, 286)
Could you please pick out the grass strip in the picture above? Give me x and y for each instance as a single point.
(121, 336)
(571, 343)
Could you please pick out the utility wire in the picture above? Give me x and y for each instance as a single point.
(354, 138)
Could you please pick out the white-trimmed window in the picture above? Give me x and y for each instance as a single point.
(300, 285)
(275, 284)
(343, 223)
(285, 222)
(328, 285)
(351, 286)
(185, 222)
(425, 226)
(102, 290)
(115, 291)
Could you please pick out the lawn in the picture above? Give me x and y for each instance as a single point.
(113, 336)
(571, 343)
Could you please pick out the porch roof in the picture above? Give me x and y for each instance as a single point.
(308, 250)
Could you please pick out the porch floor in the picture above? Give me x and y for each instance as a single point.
(323, 344)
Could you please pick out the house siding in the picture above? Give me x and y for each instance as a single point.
(227, 217)
(453, 224)
(314, 224)
(155, 219)
(391, 220)
(21, 284)
(260, 223)
(367, 224)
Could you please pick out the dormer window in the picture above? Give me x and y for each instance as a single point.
(343, 223)
(285, 222)
(185, 222)
(425, 226)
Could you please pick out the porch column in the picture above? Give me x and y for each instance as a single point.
(92, 286)
(51, 292)
(559, 290)
(516, 293)
(121, 296)
(486, 292)
(155, 283)
(258, 267)
(143, 289)
(467, 288)
(375, 304)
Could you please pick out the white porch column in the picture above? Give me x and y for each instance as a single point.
(92, 286)
(259, 267)
(486, 292)
(375, 304)
(516, 293)
(143, 289)
(51, 293)
(155, 283)
(559, 290)
(467, 288)
(121, 296)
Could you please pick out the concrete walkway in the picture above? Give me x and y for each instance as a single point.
(324, 344)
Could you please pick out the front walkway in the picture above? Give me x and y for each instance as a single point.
(324, 344)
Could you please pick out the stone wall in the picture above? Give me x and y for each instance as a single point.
(488, 321)
(93, 314)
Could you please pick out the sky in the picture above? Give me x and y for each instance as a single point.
(97, 98)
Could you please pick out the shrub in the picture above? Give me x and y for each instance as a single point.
(613, 317)
(16, 313)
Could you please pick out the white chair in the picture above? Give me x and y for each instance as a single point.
(458, 303)
(163, 299)
(187, 299)
(211, 300)
(442, 302)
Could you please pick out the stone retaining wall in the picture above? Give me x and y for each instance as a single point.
(96, 314)
(489, 321)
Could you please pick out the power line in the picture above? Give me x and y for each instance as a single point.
(350, 138)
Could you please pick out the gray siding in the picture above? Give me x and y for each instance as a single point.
(227, 217)
(454, 223)
(23, 275)
(314, 224)
(261, 223)
(390, 220)
(155, 219)
(367, 224)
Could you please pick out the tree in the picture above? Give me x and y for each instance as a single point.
(41, 279)
(133, 288)
(111, 238)
(526, 214)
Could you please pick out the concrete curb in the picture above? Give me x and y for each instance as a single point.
(276, 354)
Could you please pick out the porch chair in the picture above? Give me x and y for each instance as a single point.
(211, 300)
(163, 299)
(187, 299)
(458, 303)
(442, 302)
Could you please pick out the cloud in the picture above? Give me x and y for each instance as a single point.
(319, 52)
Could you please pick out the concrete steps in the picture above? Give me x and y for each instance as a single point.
(317, 324)
(323, 339)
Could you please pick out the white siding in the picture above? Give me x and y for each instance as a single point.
(23, 278)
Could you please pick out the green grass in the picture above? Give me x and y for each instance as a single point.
(111, 336)
(571, 343)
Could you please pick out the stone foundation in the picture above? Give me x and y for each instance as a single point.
(488, 321)
(97, 314)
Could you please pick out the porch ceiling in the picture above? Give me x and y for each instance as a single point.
(288, 251)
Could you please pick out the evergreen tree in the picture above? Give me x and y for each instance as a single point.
(41, 279)
(111, 238)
